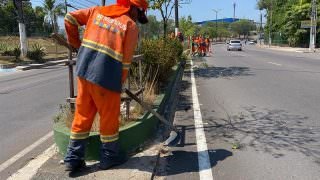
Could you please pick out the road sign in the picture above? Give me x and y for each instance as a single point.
(307, 24)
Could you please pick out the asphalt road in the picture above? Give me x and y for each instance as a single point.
(28, 102)
(263, 103)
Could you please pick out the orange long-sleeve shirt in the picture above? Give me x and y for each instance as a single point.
(107, 46)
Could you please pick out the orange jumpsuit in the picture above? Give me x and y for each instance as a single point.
(102, 66)
(207, 45)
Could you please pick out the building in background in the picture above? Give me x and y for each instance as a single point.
(225, 20)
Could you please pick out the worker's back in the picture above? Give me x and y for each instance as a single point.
(105, 40)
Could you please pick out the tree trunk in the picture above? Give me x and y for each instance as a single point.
(23, 40)
(53, 26)
(165, 26)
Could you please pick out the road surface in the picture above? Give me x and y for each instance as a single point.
(28, 102)
(265, 104)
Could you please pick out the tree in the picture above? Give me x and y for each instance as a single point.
(8, 20)
(242, 27)
(186, 26)
(165, 7)
(284, 17)
(53, 11)
(33, 19)
(291, 27)
(151, 29)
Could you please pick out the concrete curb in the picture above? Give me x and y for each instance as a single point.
(7, 66)
(37, 66)
(287, 49)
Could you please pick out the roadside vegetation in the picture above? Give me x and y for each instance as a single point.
(40, 49)
(160, 57)
(285, 21)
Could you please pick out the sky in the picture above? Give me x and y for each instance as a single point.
(200, 10)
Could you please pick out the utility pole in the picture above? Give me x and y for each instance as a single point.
(260, 34)
(176, 8)
(270, 26)
(103, 2)
(66, 6)
(313, 28)
(234, 10)
(22, 27)
(216, 11)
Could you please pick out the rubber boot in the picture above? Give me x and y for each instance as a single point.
(110, 156)
(74, 159)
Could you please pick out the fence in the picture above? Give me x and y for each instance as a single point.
(277, 39)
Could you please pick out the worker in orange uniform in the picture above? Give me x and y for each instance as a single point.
(208, 45)
(104, 57)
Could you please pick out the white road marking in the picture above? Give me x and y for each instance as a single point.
(275, 63)
(205, 172)
(22, 153)
(28, 171)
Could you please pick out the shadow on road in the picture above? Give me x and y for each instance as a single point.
(270, 131)
(222, 72)
(186, 162)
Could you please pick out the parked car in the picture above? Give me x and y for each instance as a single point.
(234, 45)
(252, 42)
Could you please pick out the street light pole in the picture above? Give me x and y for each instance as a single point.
(216, 11)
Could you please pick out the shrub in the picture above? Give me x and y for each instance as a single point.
(161, 55)
(16, 52)
(3, 47)
(36, 53)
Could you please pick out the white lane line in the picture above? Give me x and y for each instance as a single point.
(22, 153)
(275, 63)
(205, 172)
(28, 171)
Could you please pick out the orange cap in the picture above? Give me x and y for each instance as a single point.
(139, 3)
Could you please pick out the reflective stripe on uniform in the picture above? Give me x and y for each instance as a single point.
(71, 19)
(103, 49)
(126, 65)
(109, 138)
(82, 135)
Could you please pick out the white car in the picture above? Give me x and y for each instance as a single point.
(253, 42)
(234, 45)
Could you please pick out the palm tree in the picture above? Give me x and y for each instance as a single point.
(53, 11)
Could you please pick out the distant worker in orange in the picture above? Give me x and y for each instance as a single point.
(193, 45)
(103, 62)
(208, 45)
(202, 46)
